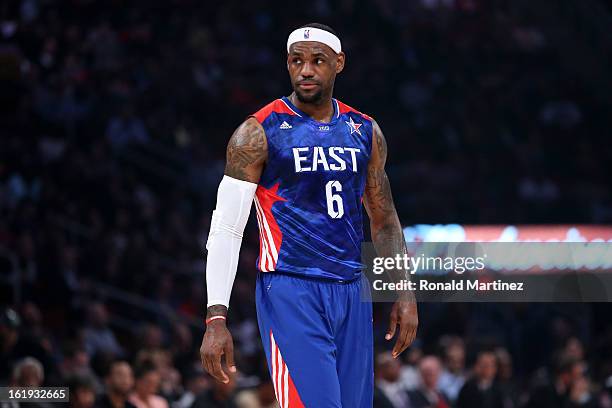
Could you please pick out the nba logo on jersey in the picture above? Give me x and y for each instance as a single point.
(306, 34)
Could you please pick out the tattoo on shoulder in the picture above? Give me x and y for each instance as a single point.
(247, 147)
(378, 190)
(381, 143)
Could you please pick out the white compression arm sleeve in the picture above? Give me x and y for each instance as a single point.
(234, 200)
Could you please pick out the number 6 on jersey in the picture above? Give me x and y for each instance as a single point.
(331, 189)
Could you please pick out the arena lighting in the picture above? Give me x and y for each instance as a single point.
(507, 233)
(523, 248)
(559, 256)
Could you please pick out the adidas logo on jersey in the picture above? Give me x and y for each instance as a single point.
(285, 125)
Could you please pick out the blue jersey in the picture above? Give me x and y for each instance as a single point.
(309, 198)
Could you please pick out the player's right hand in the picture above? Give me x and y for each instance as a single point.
(217, 341)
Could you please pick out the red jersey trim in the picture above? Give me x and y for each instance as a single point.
(344, 108)
(276, 106)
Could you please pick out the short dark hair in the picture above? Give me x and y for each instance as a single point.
(110, 365)
(321, 27)
(143, 368)
(80, 381)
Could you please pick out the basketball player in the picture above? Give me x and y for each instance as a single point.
(307, 161)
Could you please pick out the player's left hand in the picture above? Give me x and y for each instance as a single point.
(404, 313)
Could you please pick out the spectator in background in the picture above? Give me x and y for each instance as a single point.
(77, 363)
(196, 382)
(568, 384)
(146, 387)
(481, 391)
(28, 372)
(33, 325)
(98, 337)
(505, 380)
(388, 390)
(410, 376)
(428, 395)
(453, 375)
(170, 379)
(9, 336)
(581, 395)
(605, 398)
(82, 391)
(16, 343)
(119, 382)
(219, 395)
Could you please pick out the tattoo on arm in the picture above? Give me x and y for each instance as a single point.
(247, 151)
(246, 154)
(387, 235)
(378, 191)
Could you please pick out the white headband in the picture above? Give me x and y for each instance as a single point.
(314, 34)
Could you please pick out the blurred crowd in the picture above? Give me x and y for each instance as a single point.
(153, 368)
(114, 121)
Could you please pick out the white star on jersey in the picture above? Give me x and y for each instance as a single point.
(354, 127)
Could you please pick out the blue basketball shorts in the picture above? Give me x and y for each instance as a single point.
(317, 336)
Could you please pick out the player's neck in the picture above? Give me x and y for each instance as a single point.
(321, 111)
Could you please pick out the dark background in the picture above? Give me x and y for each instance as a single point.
(115, 116)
